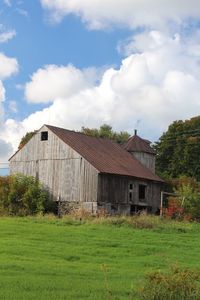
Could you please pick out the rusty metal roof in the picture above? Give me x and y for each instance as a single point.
(137, 144)
(105, 155)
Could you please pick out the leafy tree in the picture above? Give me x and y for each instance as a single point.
(187, 200)
(105, 131)
(26, 138)
(178, 150)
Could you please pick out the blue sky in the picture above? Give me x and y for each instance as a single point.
(38, 43)
(72, 63)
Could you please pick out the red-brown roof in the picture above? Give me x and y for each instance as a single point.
(137, 144)
(105, 155)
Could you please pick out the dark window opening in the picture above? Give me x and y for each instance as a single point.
(44, 135)
(114, 207)
(130, 196)
(142, 192)
(131, 186)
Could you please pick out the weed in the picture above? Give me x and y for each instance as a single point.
(178, 284)
(109, 296)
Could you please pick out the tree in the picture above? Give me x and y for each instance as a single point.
(105, 131)
(26, 138)
(178, 150)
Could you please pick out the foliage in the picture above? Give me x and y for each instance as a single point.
(105, 131)
(188, 196)
(178, 150)
(179, 284)
(174, 209)
(23, 195)
(25, 139)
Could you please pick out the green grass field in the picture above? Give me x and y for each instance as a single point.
(43, 258)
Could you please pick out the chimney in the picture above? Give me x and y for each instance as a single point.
(135, 131)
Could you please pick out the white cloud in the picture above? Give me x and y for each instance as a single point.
(57, 82)
(5, 151)
(157, 83)
(132, 13)
(7, 35)
(8, 66)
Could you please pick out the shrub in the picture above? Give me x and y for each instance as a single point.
(178, 284)
(23, 195)
(186, 204)
(174, 209)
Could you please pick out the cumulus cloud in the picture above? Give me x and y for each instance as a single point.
(5, 151)
(157, 83)
(132, 13)
(8, 66)
(54, 81)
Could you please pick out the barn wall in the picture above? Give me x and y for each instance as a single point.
(147, 159)
(114, 194)
(67, 175)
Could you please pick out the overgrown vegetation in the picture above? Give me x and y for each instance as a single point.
(186, 203)
(23, 195)
(178, 284)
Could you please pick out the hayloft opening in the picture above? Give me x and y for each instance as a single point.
(44, 135)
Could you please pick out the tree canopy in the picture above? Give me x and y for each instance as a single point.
(178, 150)
(106, 131)
(26, 138)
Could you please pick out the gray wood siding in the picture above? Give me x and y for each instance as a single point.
(116, 189)
(66, 174)
(147, 159)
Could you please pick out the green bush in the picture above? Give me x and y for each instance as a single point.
(176, 285)
(23, 195)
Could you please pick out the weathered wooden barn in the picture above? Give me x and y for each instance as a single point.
(93, 173)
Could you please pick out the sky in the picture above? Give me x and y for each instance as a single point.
(133, 64)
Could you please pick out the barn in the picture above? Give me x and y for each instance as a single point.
(92, 173)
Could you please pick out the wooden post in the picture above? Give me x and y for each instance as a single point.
(161, 204)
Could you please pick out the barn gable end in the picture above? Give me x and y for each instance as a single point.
(65, 173)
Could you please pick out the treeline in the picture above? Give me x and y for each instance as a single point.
(178, 162)
(106, 131)
(178, 150)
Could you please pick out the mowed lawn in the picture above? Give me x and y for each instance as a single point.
(59, 259)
